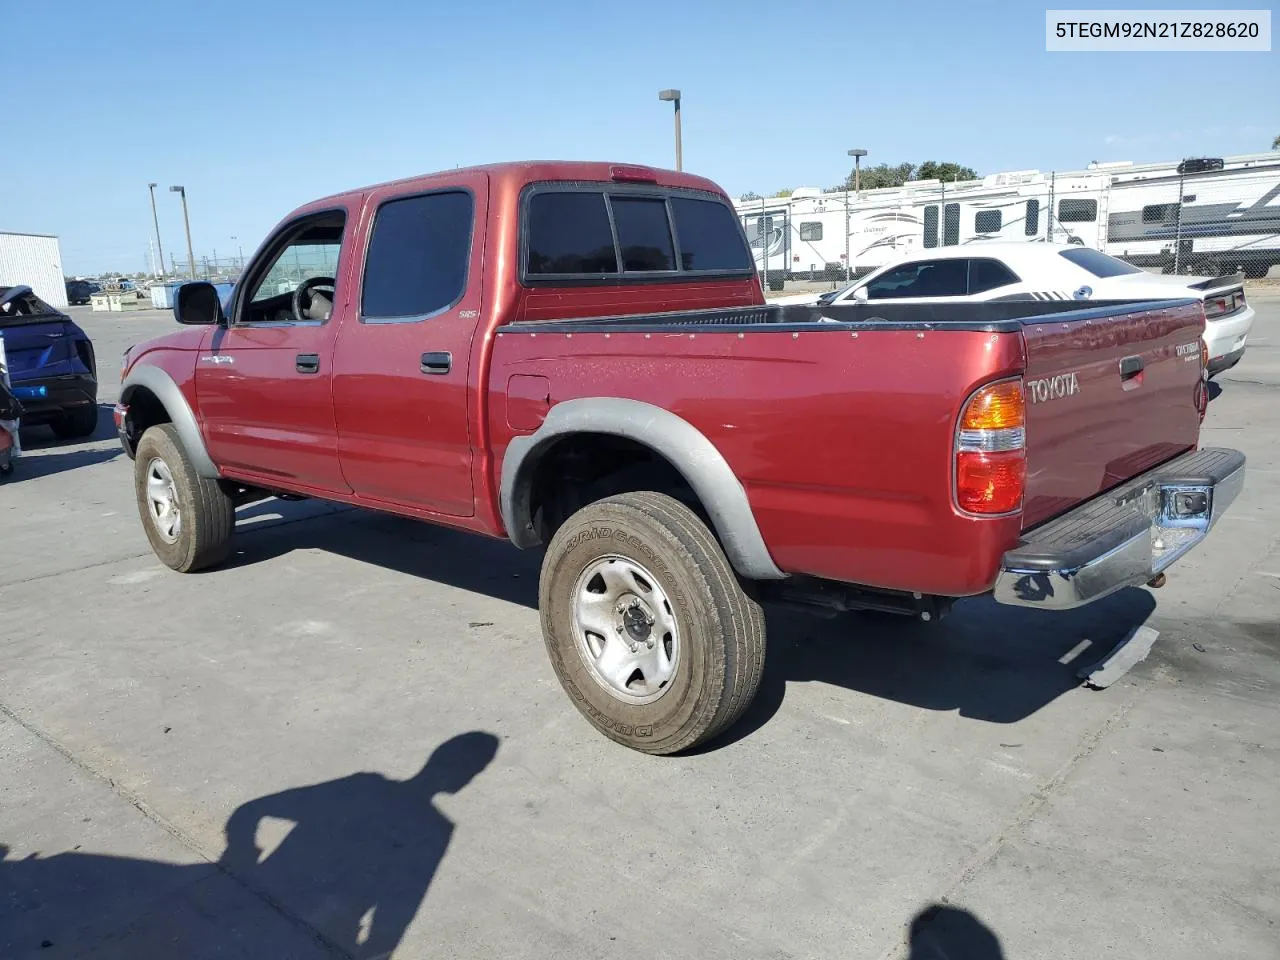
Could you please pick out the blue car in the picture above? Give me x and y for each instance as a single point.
(51, 363)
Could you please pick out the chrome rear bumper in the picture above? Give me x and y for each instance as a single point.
(1125, 537)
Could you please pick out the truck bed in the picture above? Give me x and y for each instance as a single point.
(840, 421)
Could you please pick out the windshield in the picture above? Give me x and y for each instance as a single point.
(1098, 263)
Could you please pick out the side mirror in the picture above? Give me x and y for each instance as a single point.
(860, 294)
(198, 303)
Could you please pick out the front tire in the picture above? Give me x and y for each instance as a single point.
(646, 624)
(188, 518)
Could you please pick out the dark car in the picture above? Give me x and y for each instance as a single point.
(51, 364)
(80, 291)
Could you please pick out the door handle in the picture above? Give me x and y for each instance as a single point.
(308, 363)
(1130, 367)
(438, 362)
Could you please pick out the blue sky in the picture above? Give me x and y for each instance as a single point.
(258, 107)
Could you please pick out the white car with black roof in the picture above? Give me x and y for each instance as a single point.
(993, 271)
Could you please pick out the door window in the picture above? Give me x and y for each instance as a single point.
(950, 224)
(307, 252)
(931, 225)
(418, 255)
(925, 278)
(1031, 226)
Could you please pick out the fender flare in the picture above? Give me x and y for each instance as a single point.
(175, 404)
(667, 434)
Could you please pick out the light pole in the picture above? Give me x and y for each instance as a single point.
(186, 220)
(674, 97)
(240, 250)
(857, 153)
(155, 218)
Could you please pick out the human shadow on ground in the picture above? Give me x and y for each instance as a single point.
(986, 661)
(346, 879)
(941, 932)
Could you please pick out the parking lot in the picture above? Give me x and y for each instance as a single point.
(348, 741)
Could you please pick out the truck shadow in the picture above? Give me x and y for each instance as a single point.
(985, 661)
(351, 863)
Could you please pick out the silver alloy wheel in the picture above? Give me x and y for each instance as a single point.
(625, 629)
(162, 501)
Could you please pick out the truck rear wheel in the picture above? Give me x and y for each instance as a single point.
(188, 518)
(646, 624)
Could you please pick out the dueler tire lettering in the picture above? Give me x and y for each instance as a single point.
(722, 630)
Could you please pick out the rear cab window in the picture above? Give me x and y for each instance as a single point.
(613, 234)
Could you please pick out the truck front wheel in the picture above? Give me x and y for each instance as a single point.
(188, 518)
(646, 624)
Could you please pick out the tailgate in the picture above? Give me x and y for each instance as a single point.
(1111, 393)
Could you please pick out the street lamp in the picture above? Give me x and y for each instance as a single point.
(240, 249)
(857, 153)
(674, 97)
(151, 188)
(186, 220)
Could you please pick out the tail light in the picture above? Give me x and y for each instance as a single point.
(991, 449)
(1204, 358)
(632, 173)
(1223, 304)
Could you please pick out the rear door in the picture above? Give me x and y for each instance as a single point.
(1108, 397)
(401, 385)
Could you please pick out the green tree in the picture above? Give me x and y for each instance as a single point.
(946, 172)
(876, 177)
(750, 195)
(1275, 144)
(785, 192)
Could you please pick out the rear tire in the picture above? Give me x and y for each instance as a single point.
(76, 423)
(188, 518)
(699, 659)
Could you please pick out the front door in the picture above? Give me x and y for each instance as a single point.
(401, 391)
(263, 381)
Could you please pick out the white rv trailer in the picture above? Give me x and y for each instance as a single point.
(1211, 215)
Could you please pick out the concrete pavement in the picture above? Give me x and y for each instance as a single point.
(348, 741)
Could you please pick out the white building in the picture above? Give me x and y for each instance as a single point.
(33, 260)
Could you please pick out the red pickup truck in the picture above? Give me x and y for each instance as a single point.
(579, 356)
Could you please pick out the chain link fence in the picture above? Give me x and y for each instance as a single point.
(1201, 216)
(296, 264)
